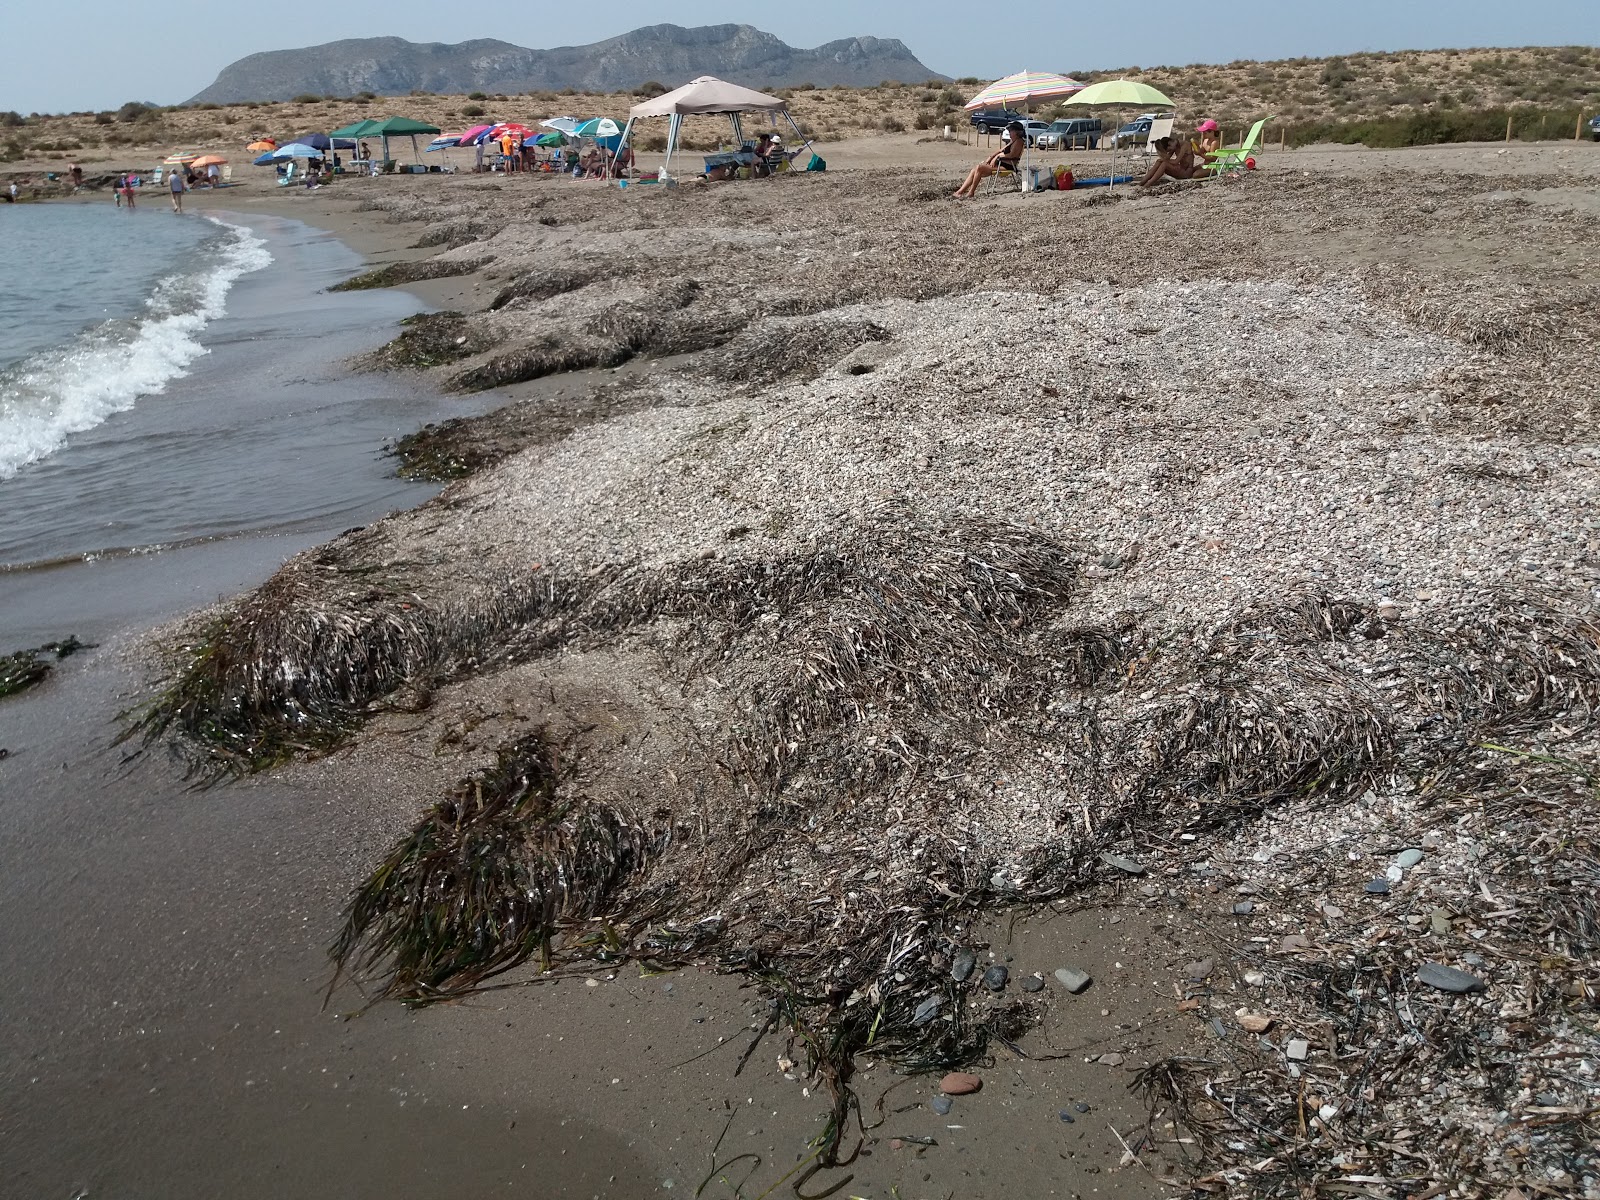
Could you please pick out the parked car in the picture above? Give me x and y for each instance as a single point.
(993, 120)
(1072, 134)
(1136, 132)
(1594, 128)
(1034, 129)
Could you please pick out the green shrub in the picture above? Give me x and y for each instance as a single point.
(135, 110)
(307, 98)
(891, 124)
(476, 96)
(472, 110)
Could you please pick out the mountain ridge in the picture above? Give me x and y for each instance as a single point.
(672, 54)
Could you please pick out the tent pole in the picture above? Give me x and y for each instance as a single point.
(627, 132)
(673, 123)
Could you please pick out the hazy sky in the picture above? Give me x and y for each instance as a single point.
(94, 54)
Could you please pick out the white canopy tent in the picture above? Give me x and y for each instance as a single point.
(706, 95)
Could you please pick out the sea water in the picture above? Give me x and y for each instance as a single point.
(173, 384)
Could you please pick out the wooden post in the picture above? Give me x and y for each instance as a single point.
(1508, 127)
(1577, 133)
(1283, 137)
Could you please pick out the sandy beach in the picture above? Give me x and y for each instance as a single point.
(1192, 589)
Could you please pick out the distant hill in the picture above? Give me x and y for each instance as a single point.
(668, 54)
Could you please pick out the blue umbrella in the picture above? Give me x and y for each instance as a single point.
(298, 150)
(264, 161)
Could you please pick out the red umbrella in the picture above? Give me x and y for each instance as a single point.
(513, 129)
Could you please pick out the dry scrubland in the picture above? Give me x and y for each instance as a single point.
(1544, 88)
(901, 581)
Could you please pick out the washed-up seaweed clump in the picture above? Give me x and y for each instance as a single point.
(429, 340)
(400, 273)
(486, 879)
(24, 669)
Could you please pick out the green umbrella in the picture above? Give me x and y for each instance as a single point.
(550, 139)
(1120, 91)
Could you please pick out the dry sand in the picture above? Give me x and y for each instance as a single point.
(1330, 427)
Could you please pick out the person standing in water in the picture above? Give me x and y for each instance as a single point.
(178, 189)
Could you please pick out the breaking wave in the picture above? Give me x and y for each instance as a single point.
(54, 393)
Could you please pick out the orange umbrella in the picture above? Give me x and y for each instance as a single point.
(205, 160)
(262, 144)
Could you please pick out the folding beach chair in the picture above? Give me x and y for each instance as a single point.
(1158, 130)
(1231, 159)
(1006, 169)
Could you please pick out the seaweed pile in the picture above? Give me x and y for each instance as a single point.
(24, 669)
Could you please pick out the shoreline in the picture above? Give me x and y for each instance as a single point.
(474, 710)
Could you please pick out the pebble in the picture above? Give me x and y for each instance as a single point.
(1033, 983)
(1111, 1060)
(1253, 1022)
(1065, 1116)
(959, 1083)
(1123, 864)
(1408, 859)
(1378, 887)
(961, 966)
(1081, 1106)
(1295, 941)
(1297, 1049)
(995, 978)
(1244, 908)
(1073, 980)
(941, 1105)
(1332, 911)
(1198, 971)
(927, 1010)
(1448, 979)
(1439, 922)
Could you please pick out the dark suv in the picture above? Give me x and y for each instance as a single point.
(995, 120)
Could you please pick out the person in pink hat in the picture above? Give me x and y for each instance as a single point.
(1210, 139)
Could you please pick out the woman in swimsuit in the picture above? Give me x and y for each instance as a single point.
(1010, 153)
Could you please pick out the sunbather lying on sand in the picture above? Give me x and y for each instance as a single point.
(1010, 153)
(1174, 160)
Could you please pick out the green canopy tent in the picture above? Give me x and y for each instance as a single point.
(355, 132)
(390, 127)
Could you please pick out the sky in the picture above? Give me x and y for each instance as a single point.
(95, 54)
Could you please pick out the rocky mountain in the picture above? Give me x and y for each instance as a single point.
(668, 54)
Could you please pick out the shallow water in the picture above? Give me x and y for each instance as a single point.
(256, 435)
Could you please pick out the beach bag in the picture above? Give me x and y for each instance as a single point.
(817, 163)
(1063, 179)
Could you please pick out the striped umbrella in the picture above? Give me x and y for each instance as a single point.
(1024, 88)
(179, 160)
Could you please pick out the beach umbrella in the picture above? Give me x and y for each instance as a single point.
(1024, 87)
(179, 160)
(260, 144)
(299, 150)
(474, 135)
(206, 160)
(560, 124)
(600, 127)
(550, 139)
(511, 127)
(443, 142)
(266, 160)
(1120, 92)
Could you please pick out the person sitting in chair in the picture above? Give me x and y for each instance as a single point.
(1005, 158)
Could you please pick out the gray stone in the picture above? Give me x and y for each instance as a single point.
(1073, 980)
(1408, 858)
(1123, 864)
(1298, 1049)
(941, 1105)
(1065, 1116)
(1244, 908)
(1081, 1106)
(927, 1010)
(1547, 1100)
(1198, 971)
(1439, 922)
(1448, 979)
(1293, 942)
(961, 966)
(1378, 887)
(1111, 1060)
(1033, 983)
(995, 978)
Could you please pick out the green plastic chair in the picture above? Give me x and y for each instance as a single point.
(1232, 158)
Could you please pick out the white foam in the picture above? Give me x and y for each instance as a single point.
(64, 390)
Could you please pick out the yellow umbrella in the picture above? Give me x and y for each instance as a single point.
(205, 160)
